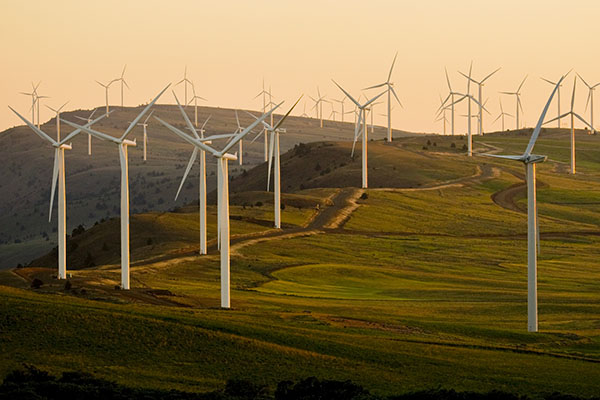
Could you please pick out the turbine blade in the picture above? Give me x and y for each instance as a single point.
(396, 96)
(376, 86)
(347, 94)
(538, 127)
(278, 124)
(521, 85)
(573, 95)
(34, 128)
(392, 68)
(583, 80)
(490, 75)
(185, 117)
(54, 178)
(448, 79)
(86, 129)
(78, 131)
(144, 111)
(187, 170)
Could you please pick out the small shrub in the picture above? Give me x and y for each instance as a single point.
(428, 142)
(258, 204)
(36, 283)
(149, 241)
(364, 196)
(452, 145)
(464, 147)
(425, 148)
(68, 285)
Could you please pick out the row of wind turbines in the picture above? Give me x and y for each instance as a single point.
(203, 144)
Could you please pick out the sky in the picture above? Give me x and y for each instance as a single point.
(229, 47)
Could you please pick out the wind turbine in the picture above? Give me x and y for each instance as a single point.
(106, 87)
(264, 95)
(573, 115)
(88, 120)
(238, 130)
(590, 99)
(362, 116)
(390, 90)
(185, 82)
(223, 193)
(530, 160)
(557, 97)
(33, 95)
(518, 94)
(122, 144)
(58, 174)
(342, 104)
(123, 83)
(372, 112)
(442, 116)
(318, 105)
(503, 114)
(469, 98)
(274, 155)
(195, 100)
(480, 86)
(450, 97)
(145, 126)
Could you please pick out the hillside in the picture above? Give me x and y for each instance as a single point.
(92, 183)
(402, 288)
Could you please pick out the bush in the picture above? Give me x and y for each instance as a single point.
(149, 241)
(68, 285)
(258, 204)
(364, 196)
(282, 206)
(452, 145)
(312, 388)
(428, 142)
(242, 389)
(36, 283)
(464, 147)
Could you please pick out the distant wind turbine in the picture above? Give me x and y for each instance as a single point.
(450, 97)
(480, 97)
(185, 82)
(362, 117)
(144, 125)
(530, 160)
(319, 105)
(274, 159)
(88, 120)
(195, 99)
(390, 90)
(122, 144)
(590, 99)
(573, 115)
(123, 82)
(502, 115)
(106, 88)
(33, 95)
(557, 98)
(517, 93)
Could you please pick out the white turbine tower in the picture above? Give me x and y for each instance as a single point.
(517, 93)
(274, 157)
(122, 144)
(222, 194)
(195, 100)
(33, 95)
(318, 105)
(58, 174)
(145, 126)
(106, 88)
(123, 83)
(361, 117)
(88, 120)
(450, 97)
(185, 82)
(241, 142)
(480, 97)
(469, 115)
(590, 99)
(530, 160)
(390, 90)
(502, 115)
(573, 115)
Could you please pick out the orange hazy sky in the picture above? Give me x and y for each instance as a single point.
(229, 46)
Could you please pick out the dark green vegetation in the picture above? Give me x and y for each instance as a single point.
(417, 285)
(32, 383)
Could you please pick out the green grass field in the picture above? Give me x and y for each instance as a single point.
(420, 288)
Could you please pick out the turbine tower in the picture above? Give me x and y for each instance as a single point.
(361, 117)
(223, 157)
(450, 97)
(590, 99)
(195, 100)
(88, 120)
(123, 83)
(58, 174)
(185, 82)
(470, 98)
(573, 115)
(318, 105)
(480, 97)
(122, 144)
(530, 160)
(517, 93)
(145, 126)
(390, 90)
(106, 88)
(274, 159)
(33, 95)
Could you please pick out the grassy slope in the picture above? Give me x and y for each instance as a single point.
(408, 296)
